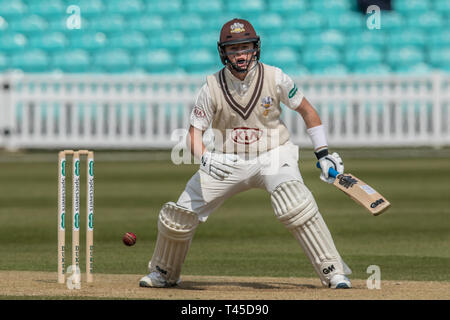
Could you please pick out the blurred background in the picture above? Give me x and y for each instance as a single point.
(123, 74)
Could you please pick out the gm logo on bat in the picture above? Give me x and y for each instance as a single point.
(376, 203)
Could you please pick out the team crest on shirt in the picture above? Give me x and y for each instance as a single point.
(266, 103)
(237, 27)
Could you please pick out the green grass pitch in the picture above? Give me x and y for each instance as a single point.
(411, 241)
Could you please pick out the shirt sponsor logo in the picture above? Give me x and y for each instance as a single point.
(293, 91)
(199, 113)
(245, 135)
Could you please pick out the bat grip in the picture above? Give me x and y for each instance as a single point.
(332, 172)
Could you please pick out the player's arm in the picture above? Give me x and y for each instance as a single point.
(316, 132)
(195, 142)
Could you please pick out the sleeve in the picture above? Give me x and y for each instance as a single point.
(289, 93)
(203, 111)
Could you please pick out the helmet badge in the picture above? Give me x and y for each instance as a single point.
(237, 27)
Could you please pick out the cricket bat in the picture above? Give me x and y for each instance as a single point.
(359, 191)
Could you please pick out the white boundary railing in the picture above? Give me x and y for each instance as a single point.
(141, 111)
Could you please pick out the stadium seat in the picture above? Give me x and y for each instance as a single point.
(407, 37)
(168, 8)
(410, 6)
(63, 24)
(207, 40)
(73, 61)
(378, 69)
(115, 61)
(268, 22)
(288, 7)
(89, 8)
(156, 61)
(12, 42)
(204, 7)
(107, 23)
(442, 7)
(128, 7)
(128, 40)
(171, 40)
(391, 20)
(331, 7)
(329, 37)
(439, 38)
(288, 38)
(10, 8)
(187, 23)
(52, 41)
(88, 40)
(420, 68)
(332, 69)
(29, 24)
(308, 21)
(147, 23)
(363, 55)
(30, 61)
(428, 21)
(314, 58)
(4, 62)
(347, 21)
(440, 57)
(284, 58)
(375, 38)
(246, 7)
(47, 8)
(198, 61)
(403, 57)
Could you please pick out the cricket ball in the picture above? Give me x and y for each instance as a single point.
(129, 238)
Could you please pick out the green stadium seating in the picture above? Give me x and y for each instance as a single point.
(375, 38)
(403, 57)
(13, 42)
(128, 40)
(332, 69)
(74, 61)
(90, 41)
(10, 8)
(147, 23)
(441, 6)
(115, 60)
(407, 37)
(410, 6)
(288, 38)
(30, 24)
(331, 7)
(198, 61)
(428, 21)
(439, 38)
(4, 62)
(288, 7)
(156, 61)
(268, 22)
(49, 42)
(34, 60)
(204, 7)
(363, 55)
(127, 7)
(66, 25)
(171, 40)
(47, 8)
(284, 58)
(347, 21)
(246, 7)
(392, 21)
(191, 22)
(330, 37)
(417, 69)
(169, 8)
(207, 40)
(88, 8)
(107, 23)
(376, 69)
(320, 57)
(440, 57)
(309, 21)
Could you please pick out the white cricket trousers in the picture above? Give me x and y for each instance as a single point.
(204, 194)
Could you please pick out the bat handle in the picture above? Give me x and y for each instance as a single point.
(332, 172)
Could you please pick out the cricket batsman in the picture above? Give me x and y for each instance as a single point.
(251, 149)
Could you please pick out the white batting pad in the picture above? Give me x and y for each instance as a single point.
(176, 228)
(296, 208)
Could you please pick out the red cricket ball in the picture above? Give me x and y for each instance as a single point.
(129, 238)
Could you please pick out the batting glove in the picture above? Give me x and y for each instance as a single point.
(218, 165)
(328, 161)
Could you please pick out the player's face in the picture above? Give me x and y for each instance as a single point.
(240, 54)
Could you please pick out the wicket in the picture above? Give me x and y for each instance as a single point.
(76, 212)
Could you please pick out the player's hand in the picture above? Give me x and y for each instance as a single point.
(330, 161)
(218, 165)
